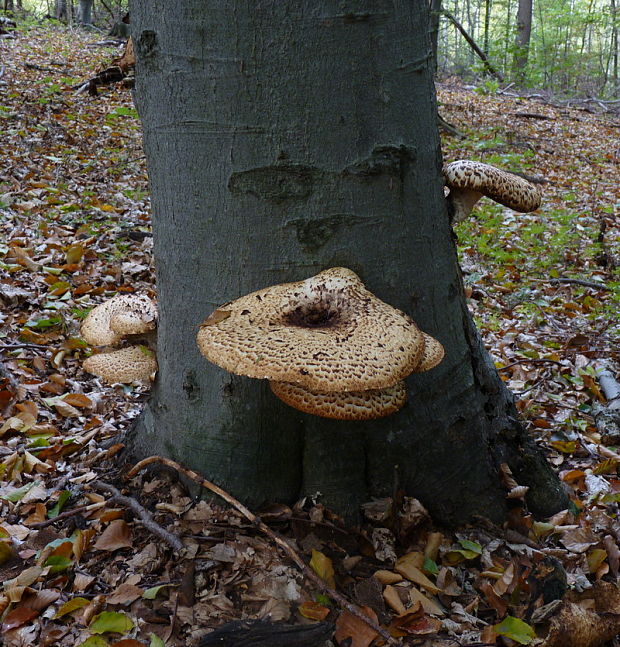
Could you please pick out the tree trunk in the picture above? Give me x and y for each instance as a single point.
(487, 27)
(283, 138)
(472, 43)
(64, 11)
(85, 12)
(435, 7)
(522, 38)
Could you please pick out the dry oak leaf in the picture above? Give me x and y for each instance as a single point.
(349, 626)
(18, 617)
(116, 535)
(406, 567)
(125, 594)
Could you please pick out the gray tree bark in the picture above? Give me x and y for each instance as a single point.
(85, 12)
(522, 38)
(282, 138)
(435, 15)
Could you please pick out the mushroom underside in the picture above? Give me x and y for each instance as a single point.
(343, 405)
(124, 365)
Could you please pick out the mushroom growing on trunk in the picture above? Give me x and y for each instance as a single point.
(122, 316)
(469, 181)
(328, 345)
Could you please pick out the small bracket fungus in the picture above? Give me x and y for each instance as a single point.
(123, 314)
(125, 365)
(107, 325)
(330, 347)
(469, 181)
(432, 355)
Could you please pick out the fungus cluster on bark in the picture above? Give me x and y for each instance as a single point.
(327, 345)
(469, 181)
(108, 324)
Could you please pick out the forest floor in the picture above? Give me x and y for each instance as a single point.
(77, 565)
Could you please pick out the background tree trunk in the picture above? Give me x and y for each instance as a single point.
(283, 138)
(85, 12)
(522, 38)
(435, 8)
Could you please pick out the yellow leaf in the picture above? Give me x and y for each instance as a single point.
(74, 254)
(72, 605)
(323, 567)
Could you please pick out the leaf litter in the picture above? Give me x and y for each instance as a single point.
(76, 565)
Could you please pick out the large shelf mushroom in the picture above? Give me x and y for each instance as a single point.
(469, 181)
(327, 344)
(122, 316)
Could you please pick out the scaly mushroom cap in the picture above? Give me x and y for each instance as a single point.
(433, 354)
(469, 181)
(123, 314)
(341, 405)
(327, 333)
(131, 364)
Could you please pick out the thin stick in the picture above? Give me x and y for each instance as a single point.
(275, 537)
(586, 284)
(14, 346)
(68, 513)
(143, 514)
(530, 361)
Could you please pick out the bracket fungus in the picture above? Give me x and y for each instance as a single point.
(328, 345)
(469, 181)
(343, 405)
(124, 315)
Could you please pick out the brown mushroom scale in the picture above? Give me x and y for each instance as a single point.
(327, 333)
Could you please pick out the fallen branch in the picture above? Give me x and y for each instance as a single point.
(449, 128)
(143, 514)
(532, 115)
(585, 284)
(41, 68)
(609, 386)
(275, 537)
(24, 345)
(607, 417)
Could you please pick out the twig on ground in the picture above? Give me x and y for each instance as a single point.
(585, 284)
(275, 537)
(143, 514)
(40, 68)
(68, 513)
(530, 361)
(24, 345)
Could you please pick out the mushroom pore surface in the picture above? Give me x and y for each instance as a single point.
(343, 405)
(327, 333)
(131, 364)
